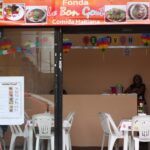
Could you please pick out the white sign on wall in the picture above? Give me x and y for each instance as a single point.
(11, 100)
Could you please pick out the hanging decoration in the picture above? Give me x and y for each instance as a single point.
(30, 44)
(66, 45)
(86, 40)
(10, 51)
(130, 40)
(123, 40)
(115, 40)
(109, 39)
(103, 43)
(127, 51)
(5, 44)
(6, 47)
(146, 40)
(93, 40)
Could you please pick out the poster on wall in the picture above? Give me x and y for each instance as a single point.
(73, 12)
(39, 47)
(11, 100)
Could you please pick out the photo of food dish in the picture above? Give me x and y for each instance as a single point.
(10, 107)
(13, 12)
(115, 14)
(1, 9)
(138, 11)
(36, 15)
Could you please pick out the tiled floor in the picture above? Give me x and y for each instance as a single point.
(143, 146)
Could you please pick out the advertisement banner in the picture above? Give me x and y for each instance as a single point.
(73, 12)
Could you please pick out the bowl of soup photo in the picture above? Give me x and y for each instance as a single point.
(138, 12)
(36, 15)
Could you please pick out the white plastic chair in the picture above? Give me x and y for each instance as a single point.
(42, 124)
(110, 130)
(17, 131)
(67, 124)
(140, 129)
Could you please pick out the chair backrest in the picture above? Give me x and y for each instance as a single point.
(16, 129)
(108, 125)
(26, 116)
(69, 120)
(43, 122)
(141, 124)
(70, 117)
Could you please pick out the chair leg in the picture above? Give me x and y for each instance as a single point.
(64, 140)
(37, 146)
(12, 142)
(131, 143)
(136, 144)
(42, 143)
(67, 144)
(111, 142)
(49, 144)
(102, 142)
(69, 140)
(52, 143)
(25, 144)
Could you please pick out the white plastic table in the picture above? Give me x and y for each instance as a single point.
(125, 127)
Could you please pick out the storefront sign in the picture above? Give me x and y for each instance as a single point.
(73, 12)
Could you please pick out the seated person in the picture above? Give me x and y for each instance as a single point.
(137, 87)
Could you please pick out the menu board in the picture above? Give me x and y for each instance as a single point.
(11, 100)
(73, 12)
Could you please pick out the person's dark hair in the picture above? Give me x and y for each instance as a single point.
(139, 78)
(52, 91)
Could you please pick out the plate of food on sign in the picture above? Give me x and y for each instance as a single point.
(14, 12)
(138, 10)
(36, 14)
(115, 13)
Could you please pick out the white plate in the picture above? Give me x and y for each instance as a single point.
(142, 6)
(33, 14)
(15, 17)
